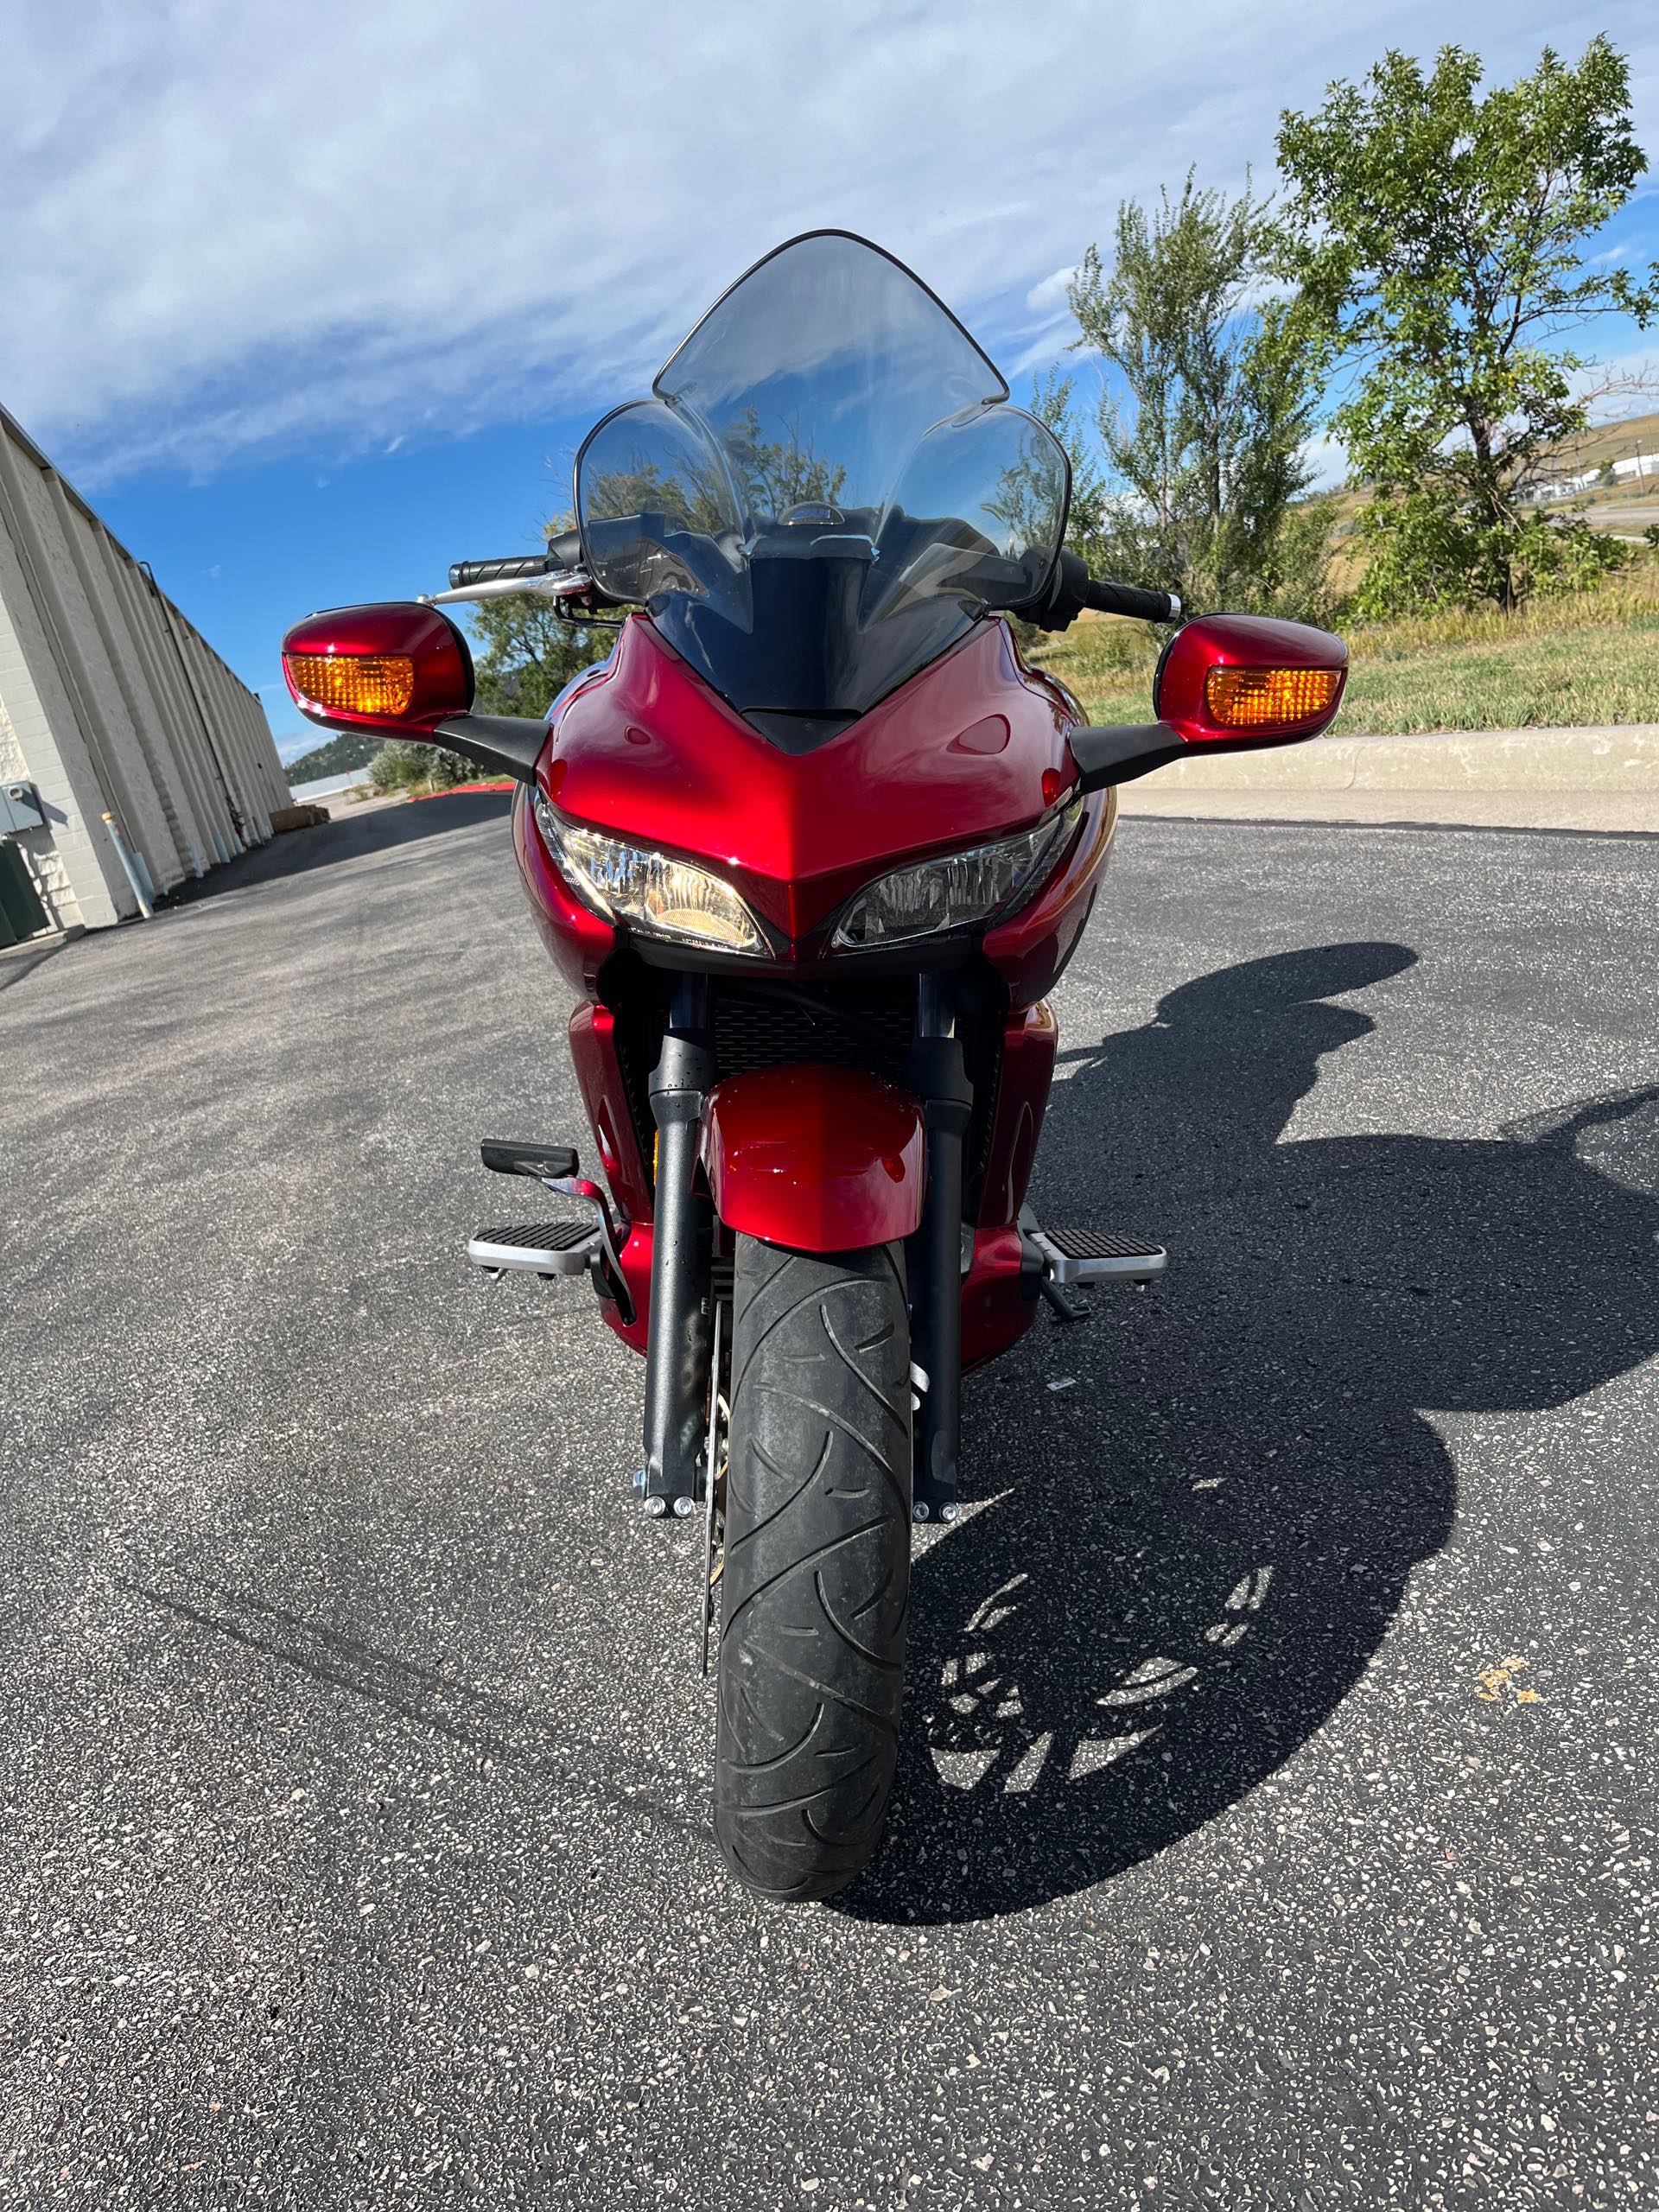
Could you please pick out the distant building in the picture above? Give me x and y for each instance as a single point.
(1622, 471)
(131, 758)
(354, 780)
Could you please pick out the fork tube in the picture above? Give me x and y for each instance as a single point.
(682, 1252)
(940, 1081)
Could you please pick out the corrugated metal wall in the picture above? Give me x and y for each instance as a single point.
(111, 704)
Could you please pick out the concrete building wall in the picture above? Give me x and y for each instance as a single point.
(113, 705)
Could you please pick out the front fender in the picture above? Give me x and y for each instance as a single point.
(817, 1159)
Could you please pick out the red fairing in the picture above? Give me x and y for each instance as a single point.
(1031, 950)
(580, 941)
(996, 1310)
(1030, 1040)
(636, 1273)
(1241, 641)
(957, 755)
(598, 1073)
(820, 1158)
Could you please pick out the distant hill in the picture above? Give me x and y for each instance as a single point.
(340, 754)
(1602, 504)
(1604, 441)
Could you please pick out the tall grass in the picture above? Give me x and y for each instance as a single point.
(1584, 658)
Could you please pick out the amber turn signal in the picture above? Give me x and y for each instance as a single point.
(353, 683)
(1269, 698)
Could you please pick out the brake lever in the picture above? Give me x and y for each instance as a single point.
(571, 584)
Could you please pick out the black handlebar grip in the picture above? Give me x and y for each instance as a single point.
(1129, 599)
(464, 574)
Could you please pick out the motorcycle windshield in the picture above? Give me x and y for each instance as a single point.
(825, 490)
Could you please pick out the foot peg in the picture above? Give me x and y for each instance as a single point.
(570, 1247)
(1073, 1255)
(546, 1162)
(544, 1248)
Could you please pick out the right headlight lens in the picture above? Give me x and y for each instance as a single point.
(954, 890)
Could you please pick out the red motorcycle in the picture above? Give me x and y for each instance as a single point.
(811, 846)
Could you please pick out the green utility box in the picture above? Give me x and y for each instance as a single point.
(22, 914)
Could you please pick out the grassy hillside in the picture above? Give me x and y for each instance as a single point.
(1604, 441)
(1587, 659)
(1624, 507)
(339, 754)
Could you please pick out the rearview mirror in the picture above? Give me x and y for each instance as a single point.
(403, 669)
(1226, 684)
(400, 668)
(1243, 680)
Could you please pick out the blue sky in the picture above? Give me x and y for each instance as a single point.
(312, 300)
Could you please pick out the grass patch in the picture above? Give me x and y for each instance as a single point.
(1560, 664)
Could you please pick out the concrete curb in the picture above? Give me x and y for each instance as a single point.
(1600, 778)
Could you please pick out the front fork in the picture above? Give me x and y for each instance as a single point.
(677, 1345)
(681, 1259)
(940, 1082)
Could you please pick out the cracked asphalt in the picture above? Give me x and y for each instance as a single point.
(1276, 1822)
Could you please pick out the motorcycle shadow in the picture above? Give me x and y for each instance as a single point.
(1190, 1556)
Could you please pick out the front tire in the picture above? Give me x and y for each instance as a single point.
(815, 1588)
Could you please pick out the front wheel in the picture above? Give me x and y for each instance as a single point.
(817, 1578)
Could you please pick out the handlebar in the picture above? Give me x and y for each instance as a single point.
(464, 574)
(562, 552)
(1070, 588)
(1108, 598)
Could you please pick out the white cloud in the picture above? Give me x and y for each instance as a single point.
(236, 225)
(1260, 291)
(1328, 459)
(1044, 298)
(1628, 383)
(1049, 347)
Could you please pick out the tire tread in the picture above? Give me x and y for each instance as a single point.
(815, 1592)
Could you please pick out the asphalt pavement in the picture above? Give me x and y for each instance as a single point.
(1276, 1824)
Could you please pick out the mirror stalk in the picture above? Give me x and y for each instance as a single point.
(1112, 753)
(508, 745)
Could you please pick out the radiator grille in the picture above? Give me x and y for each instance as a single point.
(871, 1029)
(867, 1025)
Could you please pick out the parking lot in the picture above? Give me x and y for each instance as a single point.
(1276, 1824)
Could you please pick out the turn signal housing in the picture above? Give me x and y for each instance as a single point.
(399, 667)
(1243, 680)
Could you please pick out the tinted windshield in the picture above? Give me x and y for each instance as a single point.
(827, 487)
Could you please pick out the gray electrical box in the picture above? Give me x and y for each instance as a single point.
(20, 808)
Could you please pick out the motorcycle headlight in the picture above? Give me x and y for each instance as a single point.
(956, 889)
(659, 895)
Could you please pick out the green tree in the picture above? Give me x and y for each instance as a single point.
(1204, 455)
(1086, 528)
(405, 765)
(1436, 236)
(349, 749)
(773, 475)
(525, 652)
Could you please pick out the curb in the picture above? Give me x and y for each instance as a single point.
(1599, 778)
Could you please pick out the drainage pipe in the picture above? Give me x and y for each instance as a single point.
(129, 861)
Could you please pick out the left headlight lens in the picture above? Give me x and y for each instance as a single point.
(656, 893)
(956, 889)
